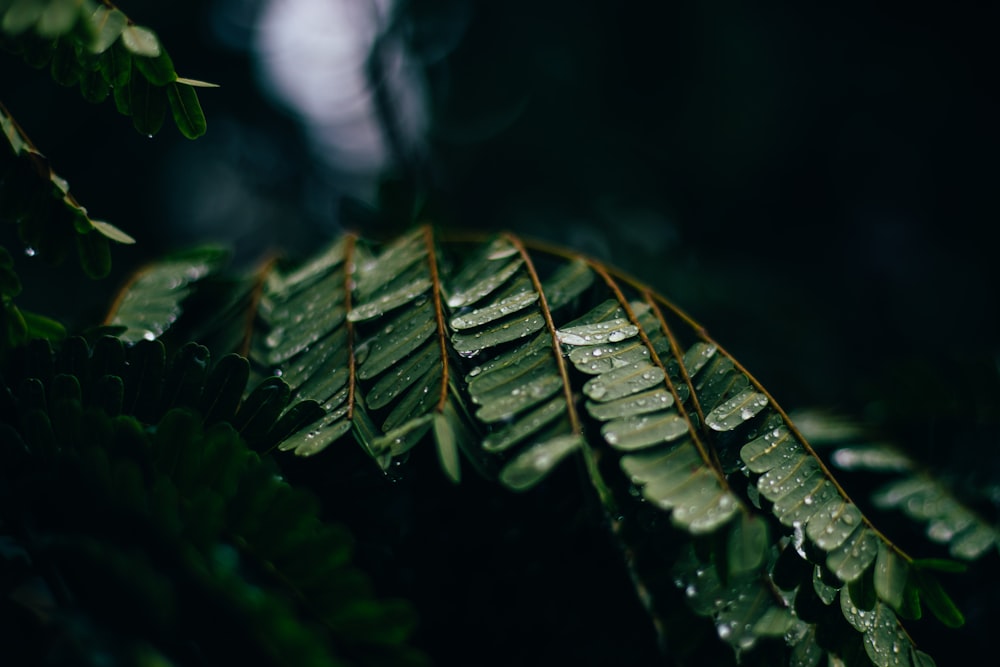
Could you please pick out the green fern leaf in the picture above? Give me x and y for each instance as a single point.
(153, 299)
(918, 495)
(521, 358)
(317, 361)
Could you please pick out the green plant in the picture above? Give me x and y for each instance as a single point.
(152, 463)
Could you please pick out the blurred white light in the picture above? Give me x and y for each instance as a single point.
(312, 56)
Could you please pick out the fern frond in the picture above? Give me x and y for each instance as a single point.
(305, 338)
(522, 357)
(522, 390)
(912, 490)
(154, 297)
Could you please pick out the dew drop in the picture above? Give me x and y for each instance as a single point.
(274, 338)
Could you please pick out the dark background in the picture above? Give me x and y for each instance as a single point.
(817, 185)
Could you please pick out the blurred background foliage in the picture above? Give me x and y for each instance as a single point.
(816, 184)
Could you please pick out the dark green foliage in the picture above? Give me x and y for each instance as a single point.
(171, 533)
(186, 109)
(50, 222)
(158, 70)
(952, 517)
(142, 486)
(520, 359)
(85, 42)
(147, 105)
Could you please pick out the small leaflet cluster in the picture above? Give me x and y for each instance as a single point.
(390, 338)
(97, 48)
(307, 342)
(49, 219)
(949, 520)
(876, 581)
(629, 393)
(154, 297)
(517, 381)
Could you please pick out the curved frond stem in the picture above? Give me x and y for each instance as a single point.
(619, 275)
(806, 446)
(574, 418)
(710, 457)
(22, 135)
(122, 292)
(703, 334)
(439, 314)
(352, 370)
(256, 293)
(650, 298)
(703, 451)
